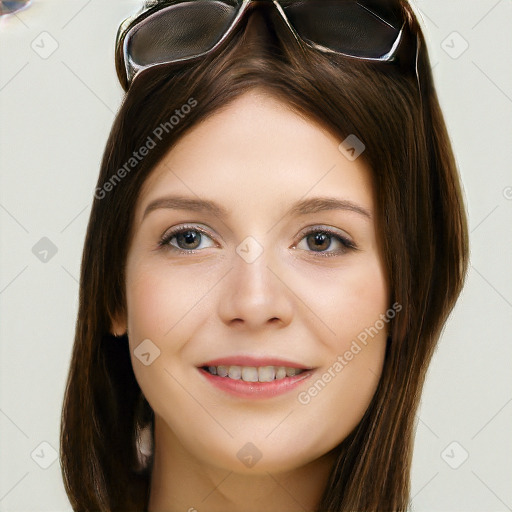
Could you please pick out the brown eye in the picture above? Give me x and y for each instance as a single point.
(319, 241)
(188, 239)
(325, 242)
(185, 239)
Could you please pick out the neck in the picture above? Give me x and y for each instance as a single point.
(180, 482)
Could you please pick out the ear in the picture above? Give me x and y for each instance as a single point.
(118, 325)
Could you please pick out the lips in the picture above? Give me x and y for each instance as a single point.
(254, 377)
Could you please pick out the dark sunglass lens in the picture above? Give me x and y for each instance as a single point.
(350, 27)
(180, 31)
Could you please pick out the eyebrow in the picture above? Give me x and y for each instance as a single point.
(304, 207)
(186, 203)
(321, 204)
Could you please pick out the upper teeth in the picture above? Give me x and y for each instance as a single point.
(253, 373)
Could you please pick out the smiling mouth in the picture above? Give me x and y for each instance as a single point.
(254, 373)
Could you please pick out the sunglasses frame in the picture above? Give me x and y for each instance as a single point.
(127, 70)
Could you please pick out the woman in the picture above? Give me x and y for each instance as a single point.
(277, 239)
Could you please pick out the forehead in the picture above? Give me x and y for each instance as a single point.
(256, 151)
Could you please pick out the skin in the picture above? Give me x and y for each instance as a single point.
(255, 158)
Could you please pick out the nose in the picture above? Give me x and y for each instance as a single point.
(255, 295)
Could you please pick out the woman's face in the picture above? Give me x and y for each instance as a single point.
(256, 253)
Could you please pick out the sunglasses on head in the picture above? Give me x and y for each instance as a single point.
(174, 31)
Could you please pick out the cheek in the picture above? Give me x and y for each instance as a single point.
(166, 304)
(364, 298)
(154, 314)
(347, 300)
(353, 303)
(159, 297)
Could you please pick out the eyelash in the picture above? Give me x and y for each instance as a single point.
(347, 244)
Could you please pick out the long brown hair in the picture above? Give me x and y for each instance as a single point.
(422, 222)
